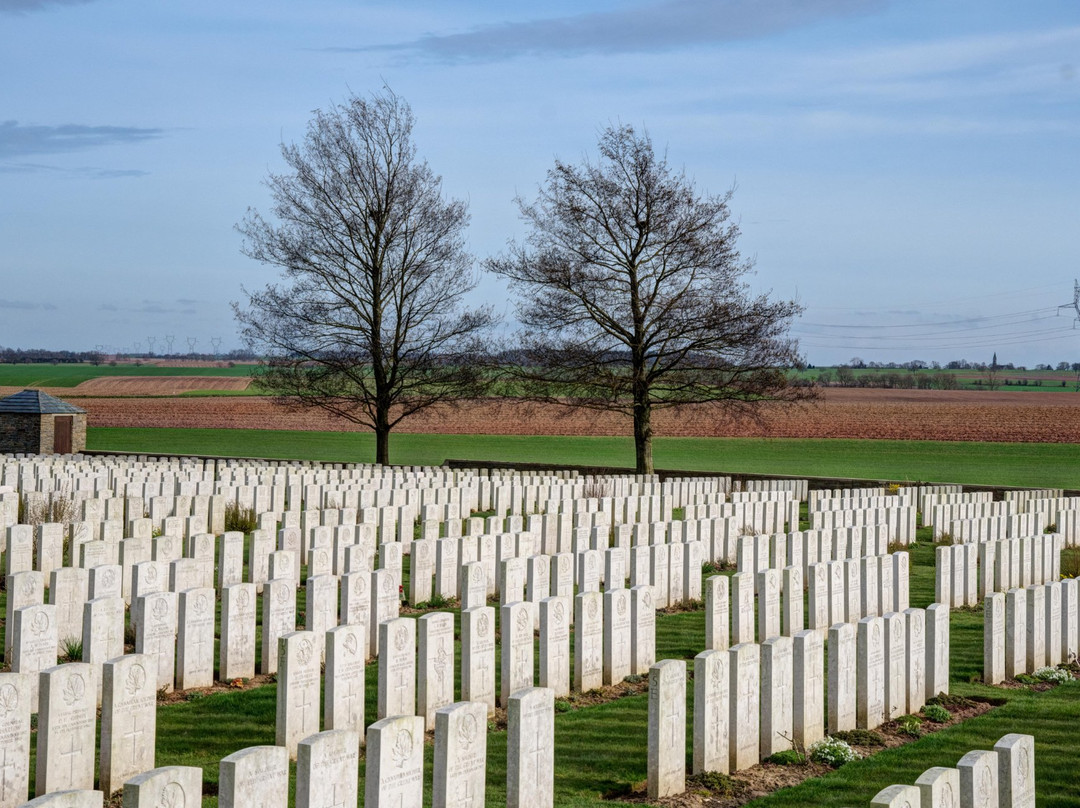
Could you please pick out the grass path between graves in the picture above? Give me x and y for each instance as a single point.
(601, 748)
(1034, 465)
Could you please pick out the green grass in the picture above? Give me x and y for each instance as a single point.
(1018, 464)
(72, 375)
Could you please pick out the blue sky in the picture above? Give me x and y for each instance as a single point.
(909, 171)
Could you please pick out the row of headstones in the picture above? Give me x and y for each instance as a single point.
(614, 638)
(803, 548)
(899, 521)
(328, 766)
(966, 573)
(930, 503)
(1031, 628)
(752, 701)
(1002, 778)
(994, 528)
(838, 592)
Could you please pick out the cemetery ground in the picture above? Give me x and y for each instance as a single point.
(600, 737)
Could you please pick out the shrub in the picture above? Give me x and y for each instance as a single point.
(936, 713)
(1070, 562)
(910, 725)
(1050, 528)
(239, 518)
(945, 539)
(563, 706)
(789, 757)
(832, 752)
(1055, 676)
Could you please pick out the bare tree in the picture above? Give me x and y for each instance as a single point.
(632, 294)
(369, 323)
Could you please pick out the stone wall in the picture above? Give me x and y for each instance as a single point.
(21, 432)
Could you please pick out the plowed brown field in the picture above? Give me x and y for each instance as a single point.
(156, 385)
(840, 413)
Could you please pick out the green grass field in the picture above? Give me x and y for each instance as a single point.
(73, 375)
(1016, 464)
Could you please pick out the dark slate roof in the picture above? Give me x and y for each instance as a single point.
(35, 401)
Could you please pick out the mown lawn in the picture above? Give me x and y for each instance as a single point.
(48, 375)
(1016, 464)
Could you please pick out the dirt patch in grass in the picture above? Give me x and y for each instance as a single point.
(712, 790)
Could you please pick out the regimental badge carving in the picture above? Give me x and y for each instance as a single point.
(620, 606)
(160, 610)
(151, 574)
(483, 624)
(403, 748)
(202, 603)
(559, 613)
(28, 587)
(524, 623)
(350, 643)
(9, 700)
(39, 624)
(592, 608)
(284, 592)
(305, 651)
(388, 584)
(359, 584)
(243, 600)
(74, 689)
(172, 796)
(401, 637)
(467, 730)
(136, 678)
(947, 796)
(986, 784)
(478, 575)
(1023, 762)
(108, 578)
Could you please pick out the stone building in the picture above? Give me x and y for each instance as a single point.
(33, 422)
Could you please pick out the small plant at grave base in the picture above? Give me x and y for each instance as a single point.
(129, 634)
(944, 539)
(710, 567)
(1050, 528)
(1026, 679)
(634, 679)
(563, 706)
(860, 737)
(163, 693)
(155, 533)
(788, 757)
(936, 713)
(239, 518)
(832, 752)
(897, 547)
(238, 682)
(438, 601)
(715, 784)
(1055, 676)
(910, 725)
(747, 530)
(71, 649)
(595, 490)
(892, 489)
(193, 695)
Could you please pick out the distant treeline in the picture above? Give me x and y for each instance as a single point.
(26, 356)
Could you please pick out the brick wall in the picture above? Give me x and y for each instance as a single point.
(21, 432)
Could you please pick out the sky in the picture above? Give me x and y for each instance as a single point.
(908, 171)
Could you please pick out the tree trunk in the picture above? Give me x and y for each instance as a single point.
(643, 436)
(382, 436)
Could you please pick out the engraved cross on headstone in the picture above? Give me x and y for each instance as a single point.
(133, 734)
(5, 767)
(70, 755)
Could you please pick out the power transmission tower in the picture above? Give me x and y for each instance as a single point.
(168, 343)
(150, 341)
(191, 344)
(215, 343)
(1075, 305)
